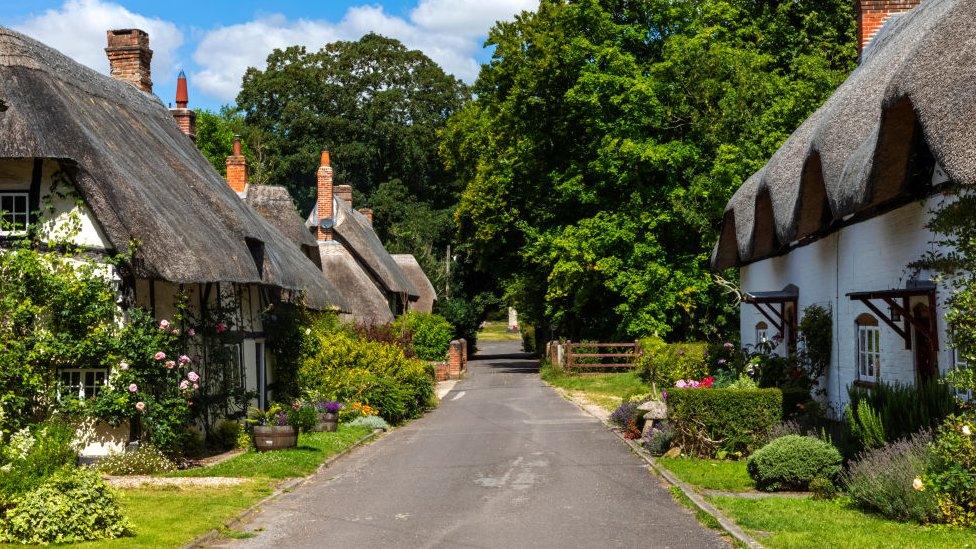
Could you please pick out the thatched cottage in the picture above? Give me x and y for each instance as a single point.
(353, 257)
(141, 180)
(427, 295)
(839, 212)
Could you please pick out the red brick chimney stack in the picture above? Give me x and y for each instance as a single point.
(368, 214)
(345, 193)
(237, 168)
(324, 205)
(185, 118)
(872, 14)
(129, 57)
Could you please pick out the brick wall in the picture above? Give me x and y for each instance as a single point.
(344, 192)
(186, 119)
(455, 359)
(129, 57)
(873, 13)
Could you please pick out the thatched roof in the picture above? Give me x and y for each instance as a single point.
(367, 303)
(142, 177)
(355, 231)
(850, 159)
(412, 269)
(275, 204)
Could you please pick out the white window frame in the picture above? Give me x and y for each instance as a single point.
(239, 373)
(25, 215)
(761, 329)
(868, 353)
(959, 362)
(82, 386)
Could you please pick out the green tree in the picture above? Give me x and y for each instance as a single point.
(215, 139)
(606, 137)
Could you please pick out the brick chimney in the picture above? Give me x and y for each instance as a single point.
(872, 14)
(129, 57)
(185, 118)
(237, 168)
(345, 193)
(368, 214)
(324, 205)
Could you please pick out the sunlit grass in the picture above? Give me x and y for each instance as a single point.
(498, 331)
(606, 390)
(710, 474)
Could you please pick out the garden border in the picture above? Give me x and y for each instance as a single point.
(725, 522)
(248, 514)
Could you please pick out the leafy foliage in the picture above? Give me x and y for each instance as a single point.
(605, 139)
(904, 409)
(952, 470)
(881, 479)
(791, 462)
(734, 421)
(864, 425)
(32, 455)
(73, 505)
(663, 364)
(430, 334)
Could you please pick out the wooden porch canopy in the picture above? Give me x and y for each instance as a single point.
(772, 305)
(897, 302)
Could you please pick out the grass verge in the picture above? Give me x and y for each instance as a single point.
(710, 474)
(804, 522)
(498, 331)
(312, 450)
(172, 516)
(606, 390)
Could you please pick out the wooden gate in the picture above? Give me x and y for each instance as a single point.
(600, 356)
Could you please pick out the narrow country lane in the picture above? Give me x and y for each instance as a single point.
(503, 462)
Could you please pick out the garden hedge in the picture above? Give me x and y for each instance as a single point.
(733, 421)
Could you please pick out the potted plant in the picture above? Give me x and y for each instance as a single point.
(271, 430)
(328, 416)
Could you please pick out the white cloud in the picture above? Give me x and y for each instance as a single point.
(449, 31)
(78, 27)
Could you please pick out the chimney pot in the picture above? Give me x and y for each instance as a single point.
(185, 118)
(236, 148)
(326, 160)
(345, 193)
(129, 57)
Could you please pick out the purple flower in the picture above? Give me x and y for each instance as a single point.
(330, 407)
(191, 332)
(664, 395)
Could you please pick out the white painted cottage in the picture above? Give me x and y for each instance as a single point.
(839, 212)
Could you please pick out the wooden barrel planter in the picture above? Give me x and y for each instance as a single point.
(327, 422)
(274, 437)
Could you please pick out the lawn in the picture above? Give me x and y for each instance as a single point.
(710, 474)
(312, 450)
(785, 522)
(606, 390)
(171, 516)
(498, 331)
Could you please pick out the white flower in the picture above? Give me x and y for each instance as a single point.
(918, 485)
(966, 430)
(123, 365)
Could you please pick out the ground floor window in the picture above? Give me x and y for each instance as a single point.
(14, 212)
(868, 348)
(82, 383)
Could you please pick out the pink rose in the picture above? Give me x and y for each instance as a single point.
(191, 332)
(140, 406)
(163, 324)
(184, 360)
(681, 384)
(160, 356)
(184, 385)
(195, 386)
(221, 327)
(133, 387)
(170, 364)
(192, 376)
(123, 365)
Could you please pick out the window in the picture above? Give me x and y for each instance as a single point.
(761, 328)
(235, 368)
(14, 212)
(868, 348)
(959, 361)
(82, 383)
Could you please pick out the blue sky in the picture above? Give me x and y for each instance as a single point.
(215, 41)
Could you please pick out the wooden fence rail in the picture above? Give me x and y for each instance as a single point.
(588, 355)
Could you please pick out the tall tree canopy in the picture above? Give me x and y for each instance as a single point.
(606, 137)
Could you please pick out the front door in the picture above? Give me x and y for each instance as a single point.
(926, 367)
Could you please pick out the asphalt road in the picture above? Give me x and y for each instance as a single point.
(502, 462)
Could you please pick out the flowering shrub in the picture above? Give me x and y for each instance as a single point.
(662, 364)
(146, 460)
(705, 383)
(274, 416)
(952, 470)
(884, 480)
(624, 414)
(328, 407)
(32, 455)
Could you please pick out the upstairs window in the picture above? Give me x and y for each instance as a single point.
(868, 348)
(14, 212)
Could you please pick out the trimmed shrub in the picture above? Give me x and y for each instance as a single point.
(380, 375)
(662, 364)
(952, 470)
(147, 460)
(73, 505)
(881, 480)
(735, 421)
(431, 334)
(791, 462)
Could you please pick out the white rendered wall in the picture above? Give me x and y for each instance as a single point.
(867, 256)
